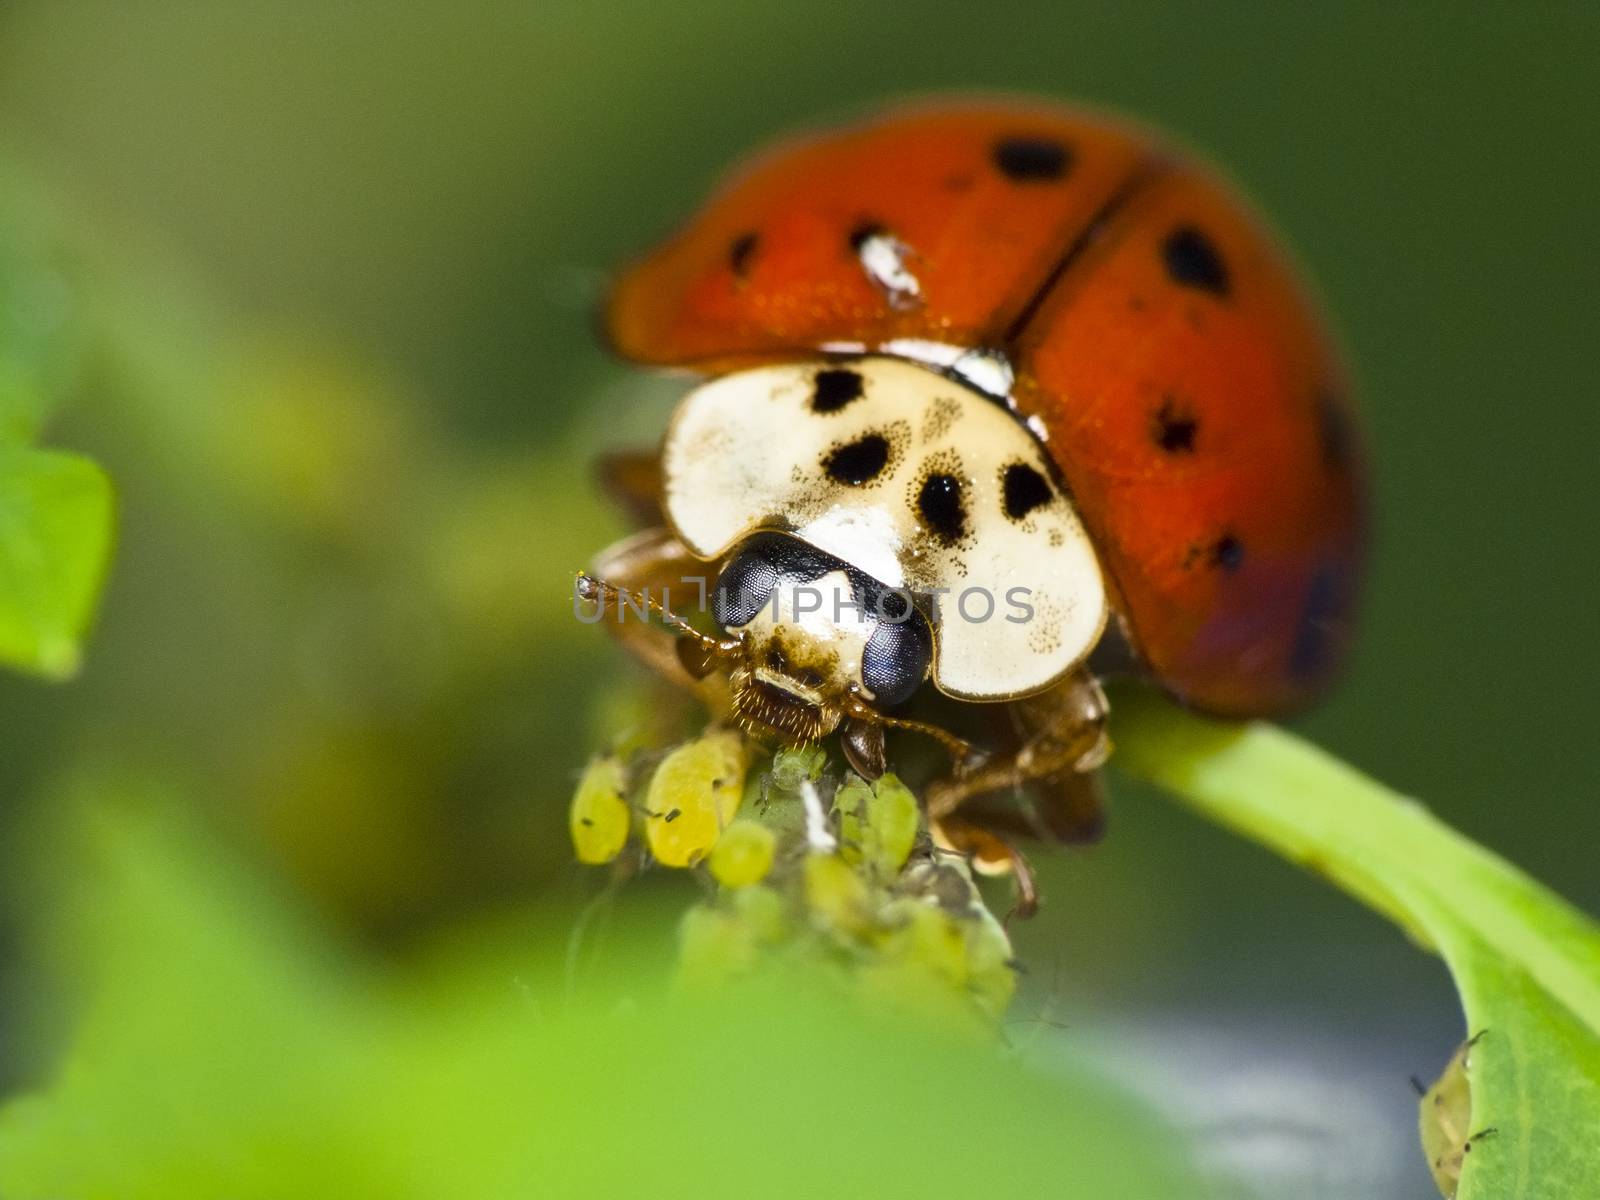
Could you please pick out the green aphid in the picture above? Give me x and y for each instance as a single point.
(991, 975)
(763, 912)
(794, 766)
(878, 824)
(1445, 1122)
(840, 900)
(714, 948)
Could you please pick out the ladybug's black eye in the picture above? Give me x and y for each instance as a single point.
(743, 589)
(896, 660)
(762, 565)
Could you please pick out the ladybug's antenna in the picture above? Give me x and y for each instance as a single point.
(603, 595)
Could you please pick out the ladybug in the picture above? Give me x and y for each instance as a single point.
(995, 395)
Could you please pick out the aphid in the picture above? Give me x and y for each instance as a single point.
(693, 796)
(743, 854)
(1444, 1118)
(989, 389)
(599, 818)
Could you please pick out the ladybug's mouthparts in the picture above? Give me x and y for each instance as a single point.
(763, 705)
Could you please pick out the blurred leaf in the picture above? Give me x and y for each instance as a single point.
(1527, 964)
(40, 326)
(55, 508)
(55, 537)
(225, 1051)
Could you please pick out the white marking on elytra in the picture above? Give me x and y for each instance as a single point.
(884, 258)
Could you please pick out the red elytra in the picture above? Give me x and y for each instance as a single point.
(1175, 367)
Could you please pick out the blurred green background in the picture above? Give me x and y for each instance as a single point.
(338, 266)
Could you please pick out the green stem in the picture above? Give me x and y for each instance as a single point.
(1526, 963)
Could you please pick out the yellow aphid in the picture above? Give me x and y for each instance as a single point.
(836, 893)
(743, 855)
(693, 797)
(599, 816)
(878, 823)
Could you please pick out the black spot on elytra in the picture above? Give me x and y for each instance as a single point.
(1192, 259)
(741, 252)
(864, 233)
(941, 506)
(1313, 638)
(1173, 427)
(833, 388)
(1227, 553)
(858, 462)
(1032, 159)
(1024, 490)
(1333, 427)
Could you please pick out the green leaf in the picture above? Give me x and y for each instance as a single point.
(42, 324)
(55, 538)
(226, 1050)
(1526, 963)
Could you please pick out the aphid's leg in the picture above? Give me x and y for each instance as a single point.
(653, 572)
(1063, 736)
(633, 479)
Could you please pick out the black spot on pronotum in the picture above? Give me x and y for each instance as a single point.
(864, 233)
(1032, 159)
(858, 462)
(941, 506)
(1173, 428)
(741, 252)
(1313, 638)
(833, 388)
(1227, 553)
(1192, 259)
(1333, 428)
(1024, 490)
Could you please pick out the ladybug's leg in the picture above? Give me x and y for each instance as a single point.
(633, 479)
(1063, 736)
(1070, 806)
(651, 574)
(990, 854)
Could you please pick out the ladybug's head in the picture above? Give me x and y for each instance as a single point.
(818, 639)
